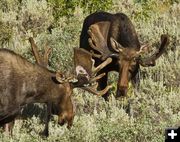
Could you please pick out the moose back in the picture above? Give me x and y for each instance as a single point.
(22, 82)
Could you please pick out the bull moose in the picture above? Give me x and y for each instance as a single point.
(23, 82)
(42, 60)
(108, 35)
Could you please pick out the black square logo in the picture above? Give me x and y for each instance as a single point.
(172, 135)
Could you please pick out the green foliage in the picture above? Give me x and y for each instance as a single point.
(8, 5)
(97, 5)
(165, 1)
(5, 33)
(147, 9)
(67, 7)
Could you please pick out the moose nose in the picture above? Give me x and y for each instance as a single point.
(121, 92)
(67, 119)
(70, 121)
(123, 86)
(69, 124)
(61, 122)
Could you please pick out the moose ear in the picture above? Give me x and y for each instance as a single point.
(60, 78)
(143, 49)
(115, 45)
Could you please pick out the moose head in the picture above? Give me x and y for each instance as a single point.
(128, 59)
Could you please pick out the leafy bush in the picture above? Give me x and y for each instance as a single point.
(5, 33)
(67, 8)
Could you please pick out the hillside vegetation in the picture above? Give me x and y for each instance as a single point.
(154, 107)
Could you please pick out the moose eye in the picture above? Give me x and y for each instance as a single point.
(134, 60)
(130, 71)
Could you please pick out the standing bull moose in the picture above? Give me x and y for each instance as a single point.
(113, 35)
(42, 60)
(22, 82)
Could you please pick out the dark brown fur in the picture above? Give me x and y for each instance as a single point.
(103, 27)
(22, 82)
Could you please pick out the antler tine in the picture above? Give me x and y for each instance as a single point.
(95, 55)
(40, 59)
(47, 52)
(150, 61)
(163, 46)
(93, 89)
(35, 50)
(97, 77)
(101, 66)
(92, 40)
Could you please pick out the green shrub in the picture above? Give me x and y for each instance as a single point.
(67, 7)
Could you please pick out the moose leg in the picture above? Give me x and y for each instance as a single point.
(8, 127)
(8, 123)
(102, 83)
(47, 119)
(136, 81)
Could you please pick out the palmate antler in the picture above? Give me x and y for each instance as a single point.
(98, 40)
(147, 61)
(93, 89)
(86, 72)
(151, 61)
(93, 80)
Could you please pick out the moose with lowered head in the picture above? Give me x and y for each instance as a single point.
(113, 36)
(81, 57)
(22, 82)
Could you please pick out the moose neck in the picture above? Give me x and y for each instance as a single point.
(123, 31)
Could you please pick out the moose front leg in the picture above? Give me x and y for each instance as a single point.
(136, 81)
(8, 127)
(102, 83)
(8, 123)
(47, 119)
